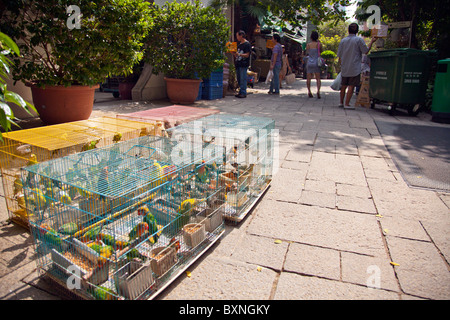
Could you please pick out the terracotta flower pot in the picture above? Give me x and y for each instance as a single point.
(59, 104)
(182, 91)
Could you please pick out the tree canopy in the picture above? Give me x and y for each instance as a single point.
(429, 20)
(292, 12)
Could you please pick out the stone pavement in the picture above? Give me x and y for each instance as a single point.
(338, 222)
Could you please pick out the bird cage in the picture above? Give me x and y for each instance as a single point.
(123, 221)
(171, 116)
(26, 147)
(247, 166)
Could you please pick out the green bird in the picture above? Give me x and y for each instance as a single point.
(91, 234)
(152, 225)
(138, 230)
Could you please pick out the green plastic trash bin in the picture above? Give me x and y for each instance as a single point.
(399, 77)
(440, 109)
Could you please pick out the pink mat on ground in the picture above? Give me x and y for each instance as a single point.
(173, 114)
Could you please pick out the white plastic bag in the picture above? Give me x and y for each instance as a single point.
(336, 85)
(269, 76)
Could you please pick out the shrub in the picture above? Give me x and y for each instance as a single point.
(186, 40)
(55, 51)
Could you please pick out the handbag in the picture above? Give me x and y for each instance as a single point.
(320, 60)
(290, 78)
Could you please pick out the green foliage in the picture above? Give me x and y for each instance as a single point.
(328, 54)
(330, 43)
(8, 47)
(429, 20)
(292, 12)
(108, 42)
(186, 40)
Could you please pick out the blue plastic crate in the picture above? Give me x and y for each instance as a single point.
(212, 92)
(200, 91)
(216, 77)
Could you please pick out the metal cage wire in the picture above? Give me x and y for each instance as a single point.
(125, 219)
(30, 146)
(249, 145)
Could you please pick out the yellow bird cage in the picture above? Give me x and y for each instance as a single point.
(25, 147)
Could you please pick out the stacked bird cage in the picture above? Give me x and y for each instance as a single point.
(123, 221)
(27, 147)
(249, 144)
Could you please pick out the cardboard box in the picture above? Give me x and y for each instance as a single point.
(231, 46)
(380, 31)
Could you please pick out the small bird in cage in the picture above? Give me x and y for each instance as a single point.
(202, 172)
(117, 137)
(18, 186)
(32, 160)
(188, 204)
(175, 243)
(139, 230)
(90, 145)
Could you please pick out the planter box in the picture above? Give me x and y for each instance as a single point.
(210, 218)
(162, 259)
(133, 279)
(193, 234)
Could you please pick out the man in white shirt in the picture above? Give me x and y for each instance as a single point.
(350, 52)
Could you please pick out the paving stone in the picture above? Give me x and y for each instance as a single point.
(372, 271)
(318, 199)
(320, 186)
(398, 227)
(352, 190)
(358, 204)
(323, 227)
(422, 271)
(314, 261)
(302, 154)
(261, 251)
(292, 286)
(222, 279)
(438, 232)
(287, 184)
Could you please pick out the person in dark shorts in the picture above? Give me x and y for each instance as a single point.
(350, 52)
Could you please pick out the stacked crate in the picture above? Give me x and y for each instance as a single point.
(249, 148)
(123, 221)
(212, 87)
(26, 147)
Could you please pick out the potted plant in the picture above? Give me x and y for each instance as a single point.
(68, 49)
(186, 43)
(330, 58)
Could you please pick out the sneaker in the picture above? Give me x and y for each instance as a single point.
(341, 105)
(241, 96)
(349, 107)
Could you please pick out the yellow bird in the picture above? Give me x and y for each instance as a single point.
(188, 204)
(32, 160)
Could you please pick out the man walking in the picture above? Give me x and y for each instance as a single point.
(275, 65)
(350, 53)
(242, 63)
